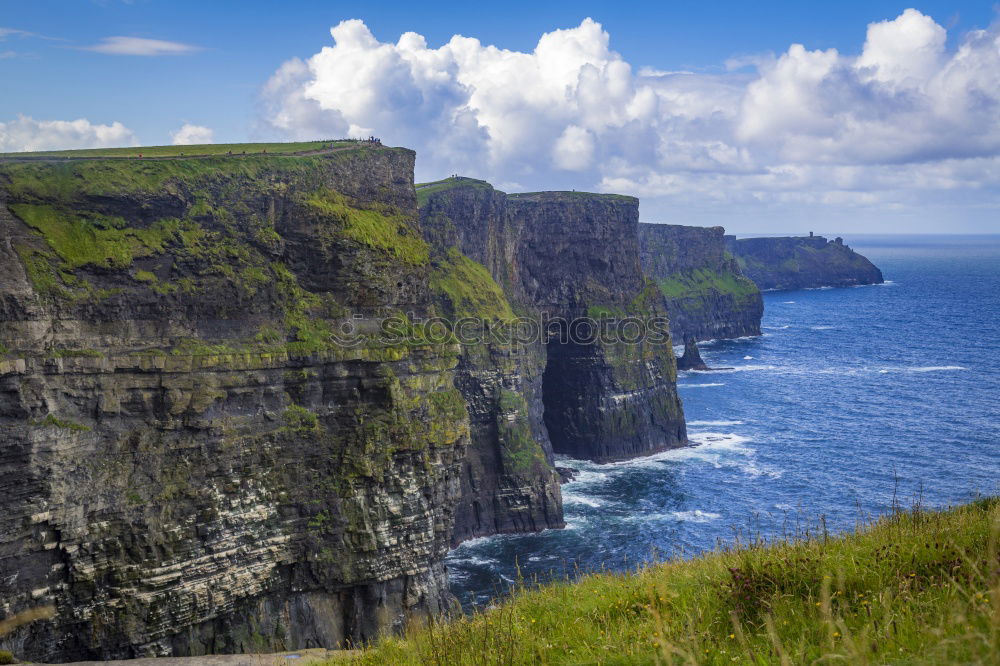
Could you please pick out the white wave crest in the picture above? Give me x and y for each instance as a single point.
(822, 328)
(699, 385)
(570, 497)
(696, 516)
(471, 560)
(743, 368)
(926, 368)
(714, 423)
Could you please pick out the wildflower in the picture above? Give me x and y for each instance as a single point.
(836, 634)
(732, 635)
(819, 603)
(913, 575)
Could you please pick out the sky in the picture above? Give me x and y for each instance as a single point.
(763, 117)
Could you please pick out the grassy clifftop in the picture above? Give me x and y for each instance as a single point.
(912, 588)
(240, 235)
(188, 151)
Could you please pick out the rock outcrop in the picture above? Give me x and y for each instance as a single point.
(708, 296)
(802, 262)
(189, 464)
(560, 257)
(691, 359)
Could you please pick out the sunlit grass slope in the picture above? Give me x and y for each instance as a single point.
(914, 588)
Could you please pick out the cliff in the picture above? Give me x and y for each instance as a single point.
(190, 462)
(802, 262)
(708, 296)
(561, 257)
(239, 411)
(508, 480)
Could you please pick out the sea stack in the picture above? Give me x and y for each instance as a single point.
(691, 360)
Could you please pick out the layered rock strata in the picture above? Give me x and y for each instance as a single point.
(189, 462)
(708, 296)
(560, 257)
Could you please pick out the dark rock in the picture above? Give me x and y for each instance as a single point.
(708, 297)
(802, 262)
(691, 360)
(562, 256)
(188, 464)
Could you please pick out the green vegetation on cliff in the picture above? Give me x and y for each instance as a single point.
(469, 288)
(187, 151)
(699, 281)
(557, 195)
(376, 226)
(915, 587)
(426, 190)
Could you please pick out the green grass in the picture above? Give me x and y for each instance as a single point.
(53, 420)
(376, 226)
(699, 281)
(555, 195)
(77, 353)
(469, 288)
(97, 240)
(426, 190)
(187, 151)
(912, 588)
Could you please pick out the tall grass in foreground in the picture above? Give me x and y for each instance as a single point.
(916, 587)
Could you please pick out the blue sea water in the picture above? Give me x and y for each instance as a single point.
(851, 397)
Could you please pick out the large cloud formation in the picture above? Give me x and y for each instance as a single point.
(26, 133)
(904, 123)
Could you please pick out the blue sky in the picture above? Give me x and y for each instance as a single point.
(709, 170)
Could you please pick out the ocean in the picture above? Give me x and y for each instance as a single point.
(853, 399)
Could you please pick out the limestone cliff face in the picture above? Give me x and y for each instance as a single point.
(802, 262)
(508, 482)
(559, 257)
(708, 296)
(188, 463)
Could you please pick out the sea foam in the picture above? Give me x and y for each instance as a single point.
(714, 423)
(926, 368)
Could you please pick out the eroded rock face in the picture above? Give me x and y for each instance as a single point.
(188, 464)
(707, 294)
(564, 256)
(802, 262)
(508, 482)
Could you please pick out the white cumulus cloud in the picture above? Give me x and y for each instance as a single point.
(25, 133)
(192, 134)
(903, 118)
